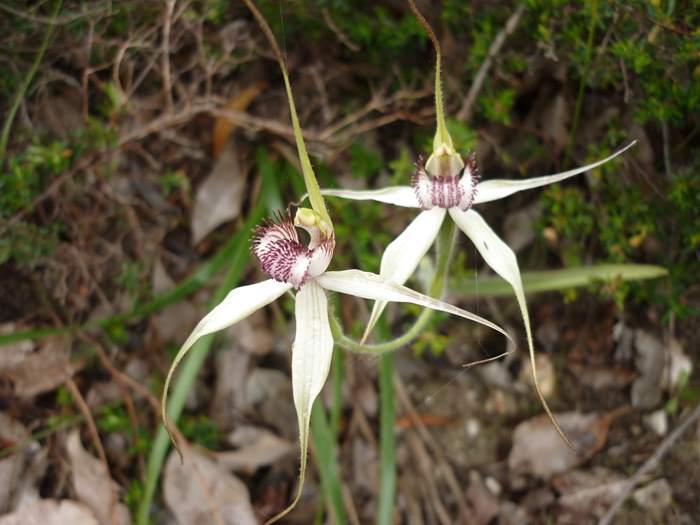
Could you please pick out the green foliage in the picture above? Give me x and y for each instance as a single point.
(202, 431)
(572, 217)
(382, 35)
(364, 162)
(25, 176)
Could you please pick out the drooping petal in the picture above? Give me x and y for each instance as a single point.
(237, 305)
(405, 252)
(397, 195)
(372, 286)
(311, 361)
(502, 260)
(491, 190)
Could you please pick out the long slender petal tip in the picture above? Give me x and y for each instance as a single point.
(502, 260)
(311, 361)
(237, 305)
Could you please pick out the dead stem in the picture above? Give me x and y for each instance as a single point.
(465, 112)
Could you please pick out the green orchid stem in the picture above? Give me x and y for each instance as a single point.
(312, 188)
(387, 438)
(24, 86)
(445, 247)
(337, 403)
(193, 363)
(442, 137)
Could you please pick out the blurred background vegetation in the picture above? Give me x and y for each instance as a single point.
(114, 114)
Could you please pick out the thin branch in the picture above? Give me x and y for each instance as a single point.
(465, 112)
(650, 464)
(165, 46)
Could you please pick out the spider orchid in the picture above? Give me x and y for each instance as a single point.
(446, 184)
(290, 264)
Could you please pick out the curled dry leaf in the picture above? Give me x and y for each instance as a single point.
(198, 490)
(50, 512)
(257, 448)
(26, 371)
(539, 450)
(223, 127)
(93, 485)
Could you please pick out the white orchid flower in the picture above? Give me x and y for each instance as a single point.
(291, 265)
(446, 185)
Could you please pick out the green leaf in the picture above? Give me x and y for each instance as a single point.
(559, 280)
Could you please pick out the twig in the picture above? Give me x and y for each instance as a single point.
(165, 46)
(667, 149)
(97, 443)
(24, 86)
(443, 467)
(344, 39)
(53, 21)
(465, 112)
(650, 464)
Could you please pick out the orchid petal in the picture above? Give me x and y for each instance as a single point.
(372, 286)
(502, 260)
(236, 306)
(311, 361)
(396, 195)
(491, 190)
(404, 253)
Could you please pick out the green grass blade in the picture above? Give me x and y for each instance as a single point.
(195, 359)
(387, 441)
(187, 286)
(24, 86)
(558, 280)
(327, 463)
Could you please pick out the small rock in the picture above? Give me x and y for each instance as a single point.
(646, 393)
(658, 422)
(680, 366)
(654, 497)
(650, 354)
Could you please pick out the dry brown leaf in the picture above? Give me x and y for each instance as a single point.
(224, 125)
(11, 468)
(539, 450)
(50, 512)
(93, 485)
(218, 198)
(26, 371)
(482, 500)
(198, 491)
(175, 322)
(257, 448)
(586, 493)
(253, 334)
